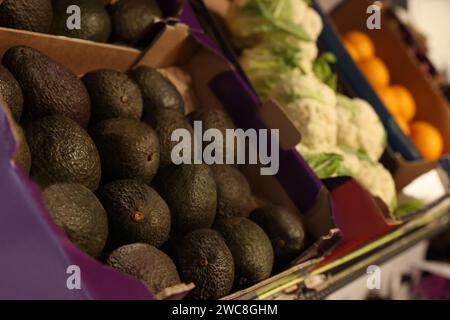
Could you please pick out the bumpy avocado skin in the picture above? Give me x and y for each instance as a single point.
(129, 149)
(234, 196)
(136, 213)
(62, 151)
(95, 20)
(31, 15)
(131, 19)
(11, 93)
(165, 121)
(204, 259)
(113, 95)
(284, 229)
(79, 213)
(251, 249)
(146, 263)
(190, 192)
(158, 91)
(48, 87)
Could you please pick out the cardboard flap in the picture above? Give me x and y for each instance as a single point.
(407, 171)
(274, 117)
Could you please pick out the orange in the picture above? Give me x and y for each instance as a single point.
(406, 102)
(389, 99)
(403, 124)
(376, 72)
(351, 50)
(428, 140)
(362, 43)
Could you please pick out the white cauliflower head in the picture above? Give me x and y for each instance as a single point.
(311, 106)
(251, 21)
(359, 127)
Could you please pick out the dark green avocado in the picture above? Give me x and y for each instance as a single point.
(190, 193)
(48, 87)
(11, 93)
(133, 18)
(251, 249)
(62, 151)
(285, 231)
(129, 149)
(146, 263)
(165, 121)
(31, 15)
(234, 196)
(158, 91)
(95, 20)
(78, 212)
(136, 213)
(204, 259)
(113, 94)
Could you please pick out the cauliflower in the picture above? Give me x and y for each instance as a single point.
(333, 161)
(359, 127)
(311, 106)
(252, 21)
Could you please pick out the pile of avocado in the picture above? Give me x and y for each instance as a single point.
(99, 147)
(122, 21)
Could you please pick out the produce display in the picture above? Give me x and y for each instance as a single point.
(340, 136)
(99, 146)
(124, 21)
(398, 99)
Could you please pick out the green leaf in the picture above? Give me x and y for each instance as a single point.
(327, 165)
(408, 207)
(323, 70)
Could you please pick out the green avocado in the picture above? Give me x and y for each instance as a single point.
(48, 87)
(165, 121)
(285, 230)
(62, 151)
(113, 94)
(251, 249)
(190, 192)
(204, 259)
(129, 149)
(31, 15)
(136, 213)
(79, 213)
(234, 196)
(158, 91)
(146, 263)
(131, 19)
(11, 93)
(95, 20)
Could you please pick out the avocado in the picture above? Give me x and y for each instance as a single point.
(11, 93)
(31, 15)
(158, 91)
(251, 249)
(133, 18)
(285, 231)
(22, 153)
(215, 119)
(165, 121)
(48, 87)
(113, 94)
(234, 196)
(146, 263)
(95, 20)
(190, 192)
(129, 149)
(204, 259)
(62, 151)
(78, 212)
(136, 213)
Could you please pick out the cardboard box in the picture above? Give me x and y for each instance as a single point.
(212, 80)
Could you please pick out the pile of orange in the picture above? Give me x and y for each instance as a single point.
(397, 99)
